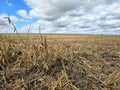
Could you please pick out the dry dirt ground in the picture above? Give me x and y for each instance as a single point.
(59, 62)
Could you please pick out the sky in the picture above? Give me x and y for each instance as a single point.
(61, 16)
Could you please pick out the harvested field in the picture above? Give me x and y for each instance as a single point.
(59, 62)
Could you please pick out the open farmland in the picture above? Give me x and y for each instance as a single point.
(59, 62)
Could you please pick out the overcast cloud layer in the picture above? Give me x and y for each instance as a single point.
(73, 16)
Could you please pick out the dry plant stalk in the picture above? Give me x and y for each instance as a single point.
(15, 29)
(113, 78)
(1, 56)
(3, 59)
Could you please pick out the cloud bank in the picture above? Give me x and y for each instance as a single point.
(78, 16)
(73, 16)
(52, 9)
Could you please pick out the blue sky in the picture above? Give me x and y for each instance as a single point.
(61, 16)
(12, 6)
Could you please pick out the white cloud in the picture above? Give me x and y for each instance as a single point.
(52, 9)
(5, 27)
(23, 13)
(2, 20)
(34, 27)
(9, 4)
(77, 16)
